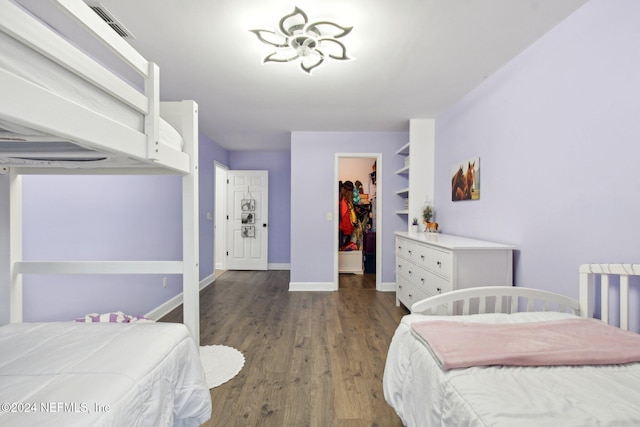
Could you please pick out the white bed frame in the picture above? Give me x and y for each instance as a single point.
(500, 299)
(27, 104)
(423, 394)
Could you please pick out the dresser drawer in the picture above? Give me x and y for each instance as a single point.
(404, 268)
(406, 249)
(441, 262)
(423, 256)
(431, 284)
(402, 246)
(408, 294)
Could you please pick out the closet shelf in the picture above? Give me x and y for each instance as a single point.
(402, 191)
(403, 212)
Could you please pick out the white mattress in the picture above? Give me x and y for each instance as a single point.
(23, 62)
(423, 395)
(101, 374)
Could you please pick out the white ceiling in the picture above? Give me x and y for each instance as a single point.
(413, 59)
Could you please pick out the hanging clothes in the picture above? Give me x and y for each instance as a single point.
(348, 218)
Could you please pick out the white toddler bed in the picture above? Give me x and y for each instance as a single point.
(425, 390)
(101, 374)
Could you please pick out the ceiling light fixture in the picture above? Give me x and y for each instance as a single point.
(310, 43)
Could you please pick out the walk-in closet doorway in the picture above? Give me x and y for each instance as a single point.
(359, 266)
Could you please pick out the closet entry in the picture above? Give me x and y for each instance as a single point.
(357, 216)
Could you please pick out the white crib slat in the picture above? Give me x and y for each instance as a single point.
(482, 305)
(497, 305)
(514, 304)
(624, 302)
(465, 307)
(530, 302)
(585, 280)
(604, 297)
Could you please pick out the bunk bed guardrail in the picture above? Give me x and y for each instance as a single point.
(94, 133)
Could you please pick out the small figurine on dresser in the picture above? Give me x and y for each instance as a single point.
(427, 215)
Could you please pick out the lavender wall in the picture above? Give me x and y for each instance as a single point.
(312, 197)
(557, 134)
(278, 163)
(112, 218)
(97, 218)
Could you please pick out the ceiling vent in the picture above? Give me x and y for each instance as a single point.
(107, 17)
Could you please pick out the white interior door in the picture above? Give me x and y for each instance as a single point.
(247, 227)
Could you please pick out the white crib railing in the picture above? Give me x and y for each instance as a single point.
(589, 273)
(495, 299)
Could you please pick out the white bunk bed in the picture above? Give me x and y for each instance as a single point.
(431, 384)
(55, 124)
(62, 112)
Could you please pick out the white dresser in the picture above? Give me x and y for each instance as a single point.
(432, 263)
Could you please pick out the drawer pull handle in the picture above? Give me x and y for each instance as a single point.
(439, 264)
(410, 296)
(422, 257)
(410, 272)
(422, 279)
(439, 290)
(409, 251)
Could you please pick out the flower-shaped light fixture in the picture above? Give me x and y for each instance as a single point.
(310, 43)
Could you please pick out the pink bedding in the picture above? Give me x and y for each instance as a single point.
(555, 342)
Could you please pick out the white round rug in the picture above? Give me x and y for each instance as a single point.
(220, 363)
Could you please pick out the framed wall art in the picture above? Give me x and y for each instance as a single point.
(248, 231)
(248, 218)
(465, 181)
(248, 204)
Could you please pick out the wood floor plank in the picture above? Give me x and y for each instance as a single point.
(312, 358)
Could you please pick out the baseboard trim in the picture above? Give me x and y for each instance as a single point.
(279, 266)
(388, 287)
(328, 286)
(312, 286)
(170, 305)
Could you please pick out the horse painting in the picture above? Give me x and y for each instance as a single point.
(459, 189)
(463, 183)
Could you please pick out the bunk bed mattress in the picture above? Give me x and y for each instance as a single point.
(422, 394)
(23, 62)
(101, 374)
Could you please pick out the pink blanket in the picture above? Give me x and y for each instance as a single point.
(556, 342)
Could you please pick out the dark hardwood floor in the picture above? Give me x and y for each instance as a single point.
(312, 358)
(357, 281)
